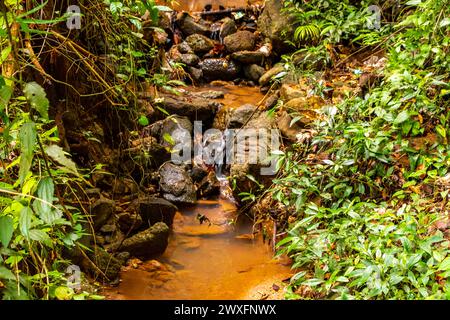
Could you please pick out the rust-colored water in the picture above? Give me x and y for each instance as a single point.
(199, 5)
(205, 262)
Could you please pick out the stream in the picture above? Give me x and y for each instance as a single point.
(216, 259)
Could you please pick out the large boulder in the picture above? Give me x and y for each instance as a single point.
(199, 43)
(219, 69)
(153, 210)
(147, 243)
(240, 41)
(188, 59)
(189, 25)
(176, 184)
(276, 26)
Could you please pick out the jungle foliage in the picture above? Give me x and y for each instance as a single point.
(367, 215)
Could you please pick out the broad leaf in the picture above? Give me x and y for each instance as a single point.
(27, 137)
(45, 192)
(25, 221)
(6, 230)
(57, 154)
(37, 98)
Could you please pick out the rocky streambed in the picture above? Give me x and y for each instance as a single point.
(156, 237)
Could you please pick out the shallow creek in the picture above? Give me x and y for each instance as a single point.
(218, 259)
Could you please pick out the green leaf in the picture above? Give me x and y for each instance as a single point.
(40, 236)
(143, 121)
(45, 192)
(64, 293)
(402, 117)
(57, 154)
(25, 221)
(6, 230)
(37, 98)
(5, 96)
(6, 274)
(445, 264)
(312, 282)
(27, 137)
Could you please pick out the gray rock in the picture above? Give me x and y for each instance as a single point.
(248, 57)
(276, 26)
(219, 69)
(176, 184)
(239, 117)
(194, 108)
(254, 72)
(228, 28)
(189, 59)
(240, 41)
(147, 243)
(189, 26)
(196, 74)
(154, 210)
(101, 211)
(199, 43)
(184, 48)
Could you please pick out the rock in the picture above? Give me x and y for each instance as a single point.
(240, 41)
(124, 186)
(108, 228)
(209, 94)
(209, 185)
(248, 57)
(154, 210)
(276, 26)
(287, 130)
(176, 184)
(184, 48)
(178, 128)
(219, 69)
(109, 265)
(129, 222)
(149, 242)
(195, 108)
(189, 26)
(267, 77)
(272, 100)
(196, 74)
(289, 92)
(239, 117)
(258, 150)
(304, 103)
(101, 211)
(199, 43)
(188, 59)
(254, 72)
(228, 28)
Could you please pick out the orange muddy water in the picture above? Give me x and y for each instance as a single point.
(216, 260)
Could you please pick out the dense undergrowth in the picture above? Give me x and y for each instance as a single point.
(42, 215)
(368, 196)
